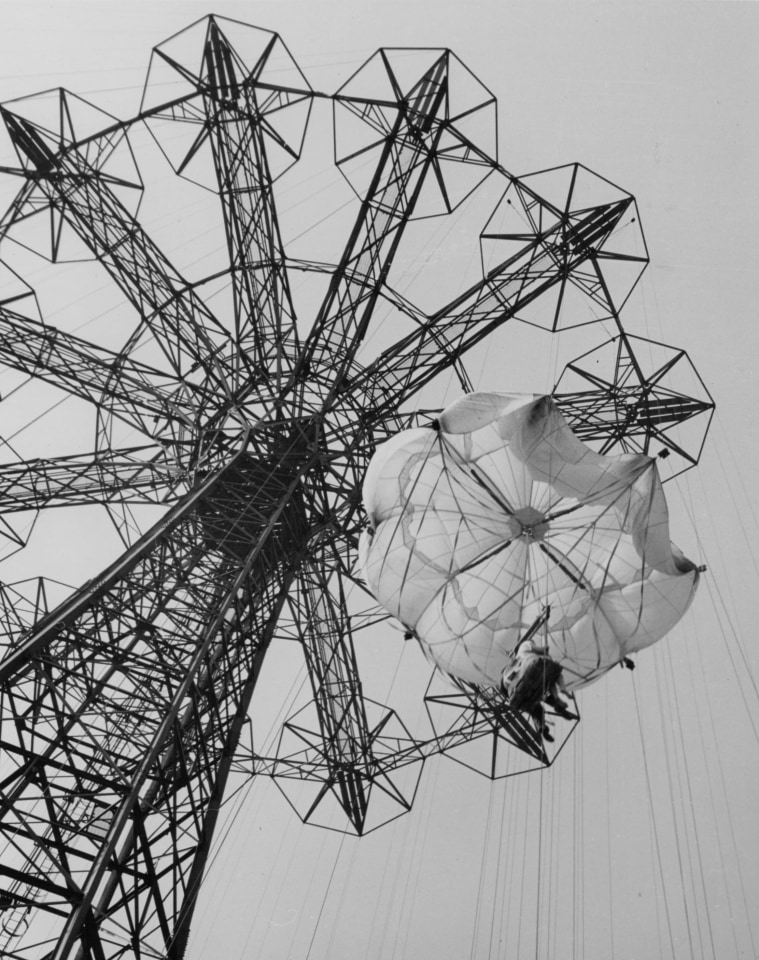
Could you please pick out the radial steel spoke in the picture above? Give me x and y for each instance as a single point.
(237, 117)
(186, 331)
(331, 659)
(264, 312)
(404, 163)
(403, 369)
(130, 475)
(133, 392)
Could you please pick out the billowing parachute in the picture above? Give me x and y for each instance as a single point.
(500, 521)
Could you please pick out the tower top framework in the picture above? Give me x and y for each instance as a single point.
(123, 707)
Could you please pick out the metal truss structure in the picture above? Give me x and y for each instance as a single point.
(122, 707)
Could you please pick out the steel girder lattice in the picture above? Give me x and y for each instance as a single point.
(123, 706)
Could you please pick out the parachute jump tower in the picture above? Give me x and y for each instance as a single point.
(123, 706)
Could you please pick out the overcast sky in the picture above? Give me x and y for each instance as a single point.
(641, 841)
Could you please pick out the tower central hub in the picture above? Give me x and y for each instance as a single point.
(239, 510)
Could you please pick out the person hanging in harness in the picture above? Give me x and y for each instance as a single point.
(533, 678)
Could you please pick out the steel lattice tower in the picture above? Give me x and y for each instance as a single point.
(122, 708)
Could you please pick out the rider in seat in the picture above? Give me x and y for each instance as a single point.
(532, 678)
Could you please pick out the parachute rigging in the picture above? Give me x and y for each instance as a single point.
(500, 526)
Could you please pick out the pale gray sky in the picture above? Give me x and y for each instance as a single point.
(642, 840)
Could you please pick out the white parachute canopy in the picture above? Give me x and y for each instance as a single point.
(502, 516)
